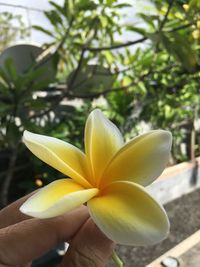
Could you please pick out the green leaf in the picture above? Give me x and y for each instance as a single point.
(148, 19)
(122, 5)
(10, 69)
(104, 21)
(33, 75)
(5, 108)
(136, 29)
(109, 56)
(53, 17)
(4, 76)
(194, 4)
(37, 104)
(59, 8)
(70, 7)
(180, 47)
(39, 85)
(142, 88)
(41, 29)
(126, 81)
(85, 5)
(4, 90)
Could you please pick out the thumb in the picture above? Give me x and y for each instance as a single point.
(88, 248)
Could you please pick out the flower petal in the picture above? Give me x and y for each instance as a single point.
(141, 160)
(60, 155)
(57, 198)
(128, 215)
(102, 140)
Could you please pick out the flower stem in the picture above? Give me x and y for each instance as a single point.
(117, 260)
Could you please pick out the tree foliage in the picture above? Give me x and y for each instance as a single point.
(10, 33)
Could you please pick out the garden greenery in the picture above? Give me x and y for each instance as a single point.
(149, 81)
(12, 27)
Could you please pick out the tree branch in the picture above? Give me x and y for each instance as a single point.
(171, 2)
(95, 95)
(109, 90)
(77, 69)
(182, 26)
(141, 40)
(99, 49)
(48, 53)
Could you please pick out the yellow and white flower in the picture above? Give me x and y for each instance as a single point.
(110, 176)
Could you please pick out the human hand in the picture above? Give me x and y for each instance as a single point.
(23, 239)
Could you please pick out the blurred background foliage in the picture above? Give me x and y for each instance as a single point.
(149, 82)
(10, 33)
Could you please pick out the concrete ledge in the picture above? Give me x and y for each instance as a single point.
(182, 248)
(176, 181)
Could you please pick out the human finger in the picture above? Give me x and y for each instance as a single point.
(11, 214)
(89, 248)
(20, 243)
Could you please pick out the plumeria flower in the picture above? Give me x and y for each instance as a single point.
(110, 177)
